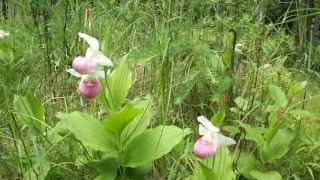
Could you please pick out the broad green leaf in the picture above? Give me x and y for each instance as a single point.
(88, 130)
(101, 177)
(218, 118)
(117, 121)
(202, 172)
(107, 169)
(246, 163)
(152, 144)
(254, 134)
(278, 96)
(140, 123)
(118, 85)
(30, 111)
(223, 165)
(274, 126)
(139, 173)
(270, 175)
(278, 145)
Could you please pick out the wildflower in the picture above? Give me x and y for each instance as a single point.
(93, 52)
(4, 34)
(83, 65)
(88, 68)
(89, 87)
(93, 59)
(211, 139)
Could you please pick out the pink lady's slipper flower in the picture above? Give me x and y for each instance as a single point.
(211, 139)
(93, 58)
(89, 87)
(89, 68)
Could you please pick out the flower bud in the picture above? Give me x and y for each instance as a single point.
(89, 87)
(83, 65)
(203, 148)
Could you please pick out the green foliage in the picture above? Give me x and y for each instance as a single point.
(202, 172)
(270, 175)
(122, 135)
(184, 87)
(152, 144)
(118, 84)
(277, 146)
(180, 52)
(139, 124)
(246, 163)
(6, 53)
(223, 165)
(218, 118)
(117, 121)
(107, 169)
(39, 170)
(278, 96)
(88, 130)
(30, 111)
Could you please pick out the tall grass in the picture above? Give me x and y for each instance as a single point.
(179, 49)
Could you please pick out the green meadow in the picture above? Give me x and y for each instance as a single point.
(159, 89)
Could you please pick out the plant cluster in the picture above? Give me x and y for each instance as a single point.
(189, 89)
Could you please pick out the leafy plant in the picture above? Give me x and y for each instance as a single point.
(122, 138)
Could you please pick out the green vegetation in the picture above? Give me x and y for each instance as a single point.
(252, 67)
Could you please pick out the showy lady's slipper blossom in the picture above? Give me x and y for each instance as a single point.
(211, 139)
(87, 68)
(89, 87)
(93, 58)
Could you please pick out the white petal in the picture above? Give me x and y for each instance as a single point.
(208, 137)
(103, 60)
(207, 124)
(224, 140)
(99, 74)
(90, 53)
(74, 73)
(93, 42)
(203, 131)
(98, 57)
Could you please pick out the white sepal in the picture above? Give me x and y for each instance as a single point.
(212, 133)
(98, 56)
(99, 74)
(93, 42)
(206, 126)
(224, 140)
(74, 73)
